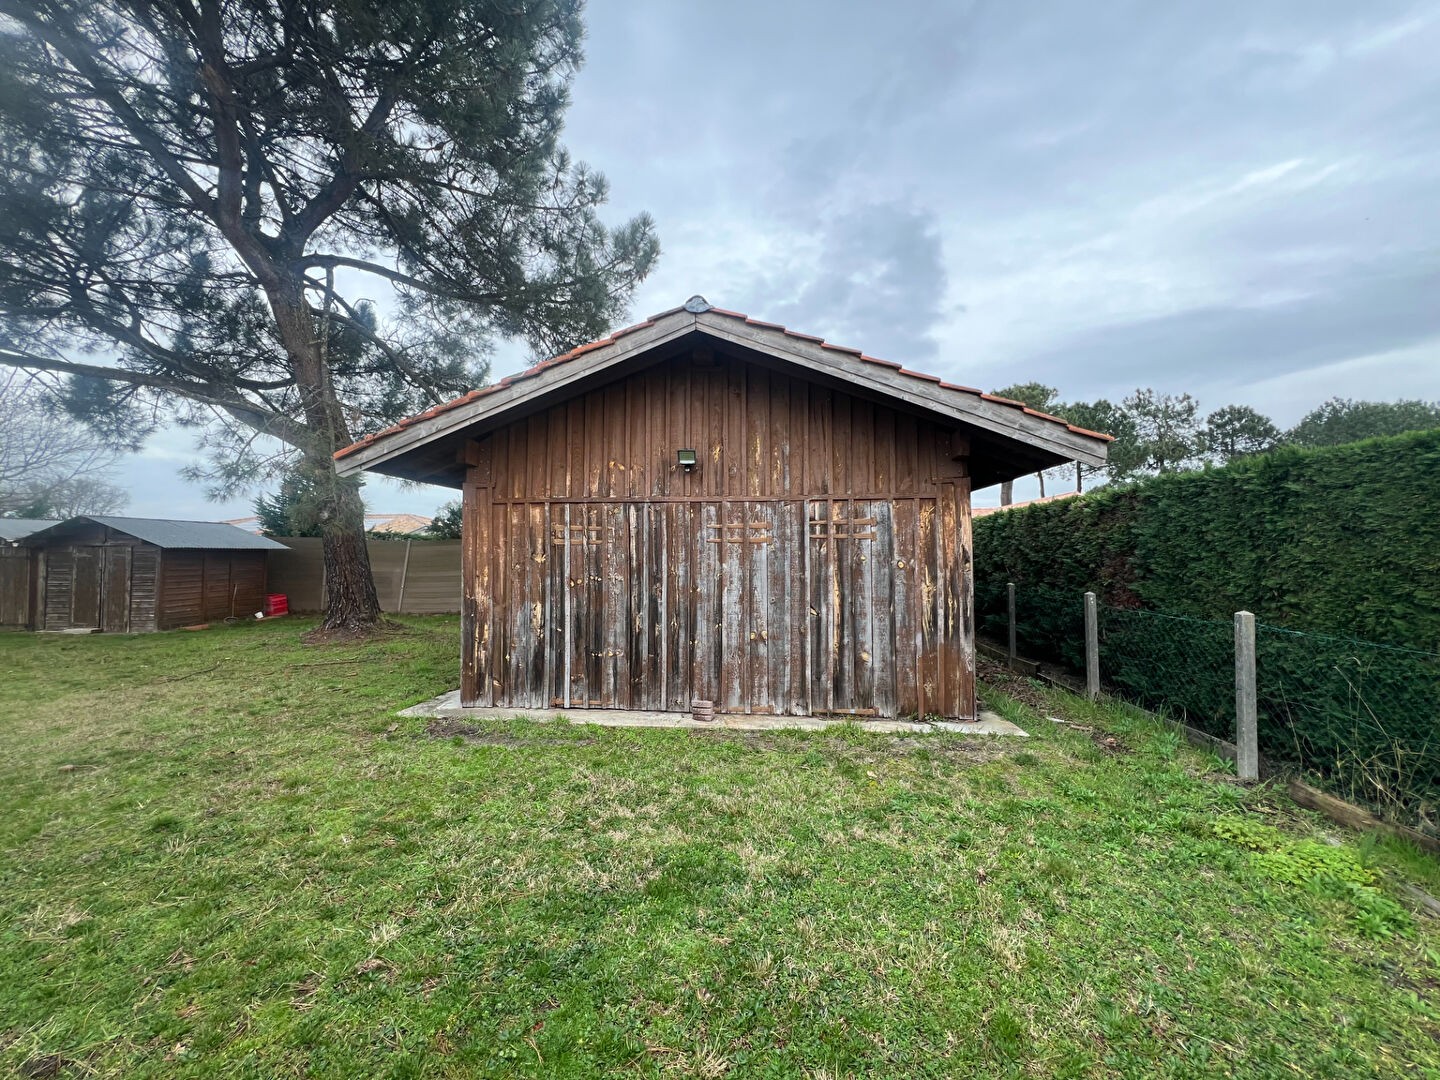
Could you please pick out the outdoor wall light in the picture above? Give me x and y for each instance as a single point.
(687, 459)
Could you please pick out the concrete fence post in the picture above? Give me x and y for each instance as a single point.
(404, 573)
(1247, 757)
(1092, 647)
(1010, 611)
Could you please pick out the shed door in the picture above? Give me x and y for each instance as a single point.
(649, 605)
(85, 592)
(852, 593)
(115, 592)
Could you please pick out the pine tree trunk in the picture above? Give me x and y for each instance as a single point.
(1007, 493)
(351, 602)
(1079, 479)
(1041, 477)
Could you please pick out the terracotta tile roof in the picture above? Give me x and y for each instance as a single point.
(986, 511)
(581, 350)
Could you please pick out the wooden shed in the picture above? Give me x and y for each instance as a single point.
(132, 575)
(18, 573)
(704, 506)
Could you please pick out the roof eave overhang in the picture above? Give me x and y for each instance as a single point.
(1033, 441)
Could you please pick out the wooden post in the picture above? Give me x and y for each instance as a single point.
(1247, 758)
(1092, 648)
(404, 573)
(1010, 609)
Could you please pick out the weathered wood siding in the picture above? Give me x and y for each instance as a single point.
(818, 560)
(760, 433)
(207, 586)
(104, 579)
(17, 587)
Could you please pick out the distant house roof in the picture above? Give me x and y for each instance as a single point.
(396, 523)
(12, 529)
(167, 533)
(391, 523)
(983, 511)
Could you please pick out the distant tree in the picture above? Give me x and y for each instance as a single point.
(1167, 430)
(1107, 418)
(1341, 420)
(204, 193)
(446, 523)
(1037, 396)
(1237, 431)
(49, 465)
(294, 509)
(81, 495)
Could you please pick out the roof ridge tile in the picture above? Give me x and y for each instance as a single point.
(589, 346)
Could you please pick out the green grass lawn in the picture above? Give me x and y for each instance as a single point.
(221, 854)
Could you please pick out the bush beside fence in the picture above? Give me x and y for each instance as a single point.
(1342, 540)
(1336, 551)
(1361, 715)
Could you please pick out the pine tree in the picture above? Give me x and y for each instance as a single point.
(1237, 431)
(201, 192)
(1341, 420)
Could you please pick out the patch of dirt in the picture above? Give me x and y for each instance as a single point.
(304, 991)
(1107, 742)
(352, 634)
(1010, 683)
(443, 728)
(46, 1066)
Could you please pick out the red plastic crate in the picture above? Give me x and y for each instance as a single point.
(276, 604)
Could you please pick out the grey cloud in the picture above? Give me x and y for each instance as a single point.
(1070, 176)
(878, 283)
(1376, 309)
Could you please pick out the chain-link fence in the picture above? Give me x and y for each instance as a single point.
(1362, 716)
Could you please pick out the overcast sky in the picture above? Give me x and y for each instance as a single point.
(1235, 199)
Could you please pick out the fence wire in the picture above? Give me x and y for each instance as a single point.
(1361, 717)
(1362, 714)
(1182, 666)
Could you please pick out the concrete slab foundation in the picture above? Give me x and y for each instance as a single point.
(448, 707)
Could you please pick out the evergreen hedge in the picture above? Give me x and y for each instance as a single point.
(1338, 543)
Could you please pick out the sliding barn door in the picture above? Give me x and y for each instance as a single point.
(842, 607)
(888, 594)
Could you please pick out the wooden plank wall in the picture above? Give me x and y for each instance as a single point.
(17, 579)
(823, 606)
(762, 434)
(208, 586)
(144, 589)
(818, 560)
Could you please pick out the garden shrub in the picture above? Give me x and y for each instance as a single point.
(1335, 550)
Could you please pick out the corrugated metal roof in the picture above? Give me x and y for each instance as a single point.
(15, 528)
(167, 533)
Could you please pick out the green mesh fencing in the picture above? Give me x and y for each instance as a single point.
(1363, 716)
(1174, 664)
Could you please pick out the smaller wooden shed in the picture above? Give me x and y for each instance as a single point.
(133, 575)
(18, 575)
